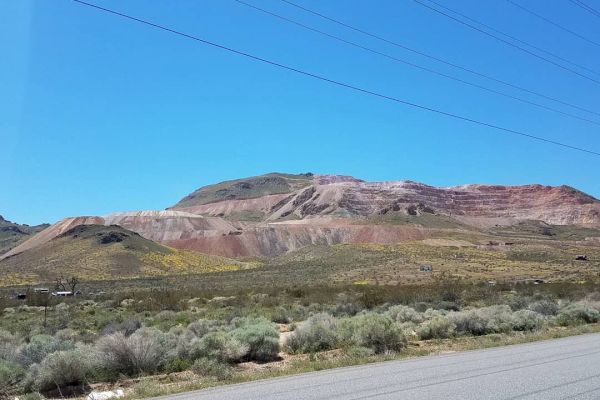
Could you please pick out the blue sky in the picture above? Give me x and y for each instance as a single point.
(99, 114)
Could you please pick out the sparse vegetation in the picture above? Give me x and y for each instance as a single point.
(133, 331)
(318, 333)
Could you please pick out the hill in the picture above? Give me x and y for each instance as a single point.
(246, 188)
(274, 214)
(12, 234)
(97, 252)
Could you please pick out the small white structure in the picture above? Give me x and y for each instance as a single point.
(105, 395)
(62, 294)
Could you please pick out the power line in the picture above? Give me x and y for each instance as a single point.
(441, 60)
(510, 37)
(508, 42)
(586, 7)
(420, 67)
(339, 83)
(552, 22)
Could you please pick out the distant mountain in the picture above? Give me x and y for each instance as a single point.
(12, 234)
(273, 214)
(104, 252)
(347, 197)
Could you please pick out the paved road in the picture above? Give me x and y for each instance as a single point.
(566, 368)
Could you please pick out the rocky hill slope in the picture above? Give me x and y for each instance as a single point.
(99, 252)
(276, 213)
(12, 234)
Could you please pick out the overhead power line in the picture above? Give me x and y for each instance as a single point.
(507, 42)
(552, 22)
(417, 66)
(441, 60)
(339, 83)
(586, 7)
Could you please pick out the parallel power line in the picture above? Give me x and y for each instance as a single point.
(586, 7)
(414, 65)
(438, 59)
(322, 78)
(527, 10)
(507, 42)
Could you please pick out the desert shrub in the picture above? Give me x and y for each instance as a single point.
(298, 312)
(575, 314)
(315, 334)
(67, 335)
(431, 313)
(589, 303)
(404, 314)
(499, 318)
(147, 350)
(203, 326)
(448, 305)
(468, 322)
(177, 365)
(348, 304)
(544, 307)
(375, 331)
(408, 328)
(168, 318)
(9, 345)
(127, 327)
(185, 340)
(213, 368)
(421, 306)
(516, 302)
(62, 369)
(260, 336)
(39, 347)
(438, 327)
(527, 320)
(10, 375)
(220, 346)
(147, 388)
(482, 321)
(281, 315)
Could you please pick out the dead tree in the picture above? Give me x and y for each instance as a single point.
(67, 283)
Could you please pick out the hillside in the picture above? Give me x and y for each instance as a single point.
(342, 196)
(97, 252)
(247, 188)
(12, 234)
(274, 214)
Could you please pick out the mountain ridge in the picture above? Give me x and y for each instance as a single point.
(275, 213)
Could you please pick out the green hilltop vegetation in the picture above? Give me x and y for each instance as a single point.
(246, 188)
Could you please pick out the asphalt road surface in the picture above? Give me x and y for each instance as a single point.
(566, 368)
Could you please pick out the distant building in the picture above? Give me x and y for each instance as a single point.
(62, 294)
(532, 281)
(426, 268)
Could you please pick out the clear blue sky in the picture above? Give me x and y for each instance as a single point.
(98, 114)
